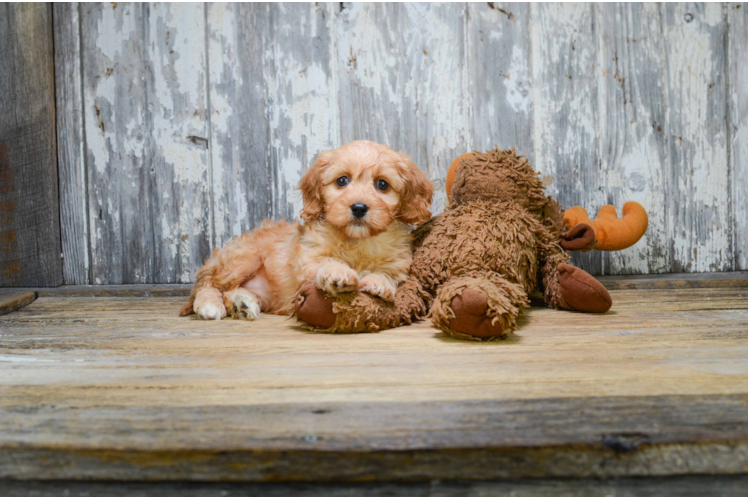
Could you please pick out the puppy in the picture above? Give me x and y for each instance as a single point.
(359, 200)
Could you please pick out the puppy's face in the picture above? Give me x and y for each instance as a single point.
(363, 187)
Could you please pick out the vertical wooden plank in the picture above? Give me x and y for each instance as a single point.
(698, 202)
(117, 134)
(273, 107)
(180, 139)
(499, 75)
(738, 132)
(303, 114)
(238, 38)
(29, 210)
(71, 145)
(403, 81)
(633, 127)
(565, 69)
(145, 108)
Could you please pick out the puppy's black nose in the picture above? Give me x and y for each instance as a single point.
(359, 210)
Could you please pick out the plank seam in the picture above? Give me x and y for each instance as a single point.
(84, 158)
(470, 114)
(731, 240)
(668, 137)
(57, 152)
(148, 147)
(210, 127)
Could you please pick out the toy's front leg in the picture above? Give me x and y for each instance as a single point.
(360, 312)
(568, 287)
(480, 306)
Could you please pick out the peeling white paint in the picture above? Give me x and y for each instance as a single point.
(402, 82)
(738, 50)
(632, 123)
(427, 79)
(700, 229)
(303, 119)
(517, 93)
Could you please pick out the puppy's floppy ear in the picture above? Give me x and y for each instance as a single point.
(311, 188)
(415, 196)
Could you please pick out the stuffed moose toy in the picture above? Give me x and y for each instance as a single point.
(475, 264)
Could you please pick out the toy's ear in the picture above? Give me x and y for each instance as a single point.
(311, 188)
(415, 197)
(452, 172)
(611, 232)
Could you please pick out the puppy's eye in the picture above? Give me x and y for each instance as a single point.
(342, 181)
(382, 185)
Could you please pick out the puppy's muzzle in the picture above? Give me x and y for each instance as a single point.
(359, 210)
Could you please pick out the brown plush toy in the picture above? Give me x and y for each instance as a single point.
(475, 264)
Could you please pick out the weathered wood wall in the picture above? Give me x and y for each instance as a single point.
(29, 206)
(182, 125)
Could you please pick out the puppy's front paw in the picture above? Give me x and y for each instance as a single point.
(242, 305)
(378, 285)
(208, 304)
(336, 278)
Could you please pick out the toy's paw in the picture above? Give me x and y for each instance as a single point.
(379, 286)
(579, 238)
(313, 307)
(336, 278)
(471, 309)
(581, 291)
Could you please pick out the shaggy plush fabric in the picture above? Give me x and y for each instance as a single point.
(475, 264)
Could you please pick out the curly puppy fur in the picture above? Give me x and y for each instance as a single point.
(339, 249)
(500, 236)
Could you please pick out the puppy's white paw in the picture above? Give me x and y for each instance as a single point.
(378, 285)
(336, 278)
(211, 311)
(208, 304)
(244, 306)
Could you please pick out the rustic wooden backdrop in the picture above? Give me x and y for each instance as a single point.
(182, 125)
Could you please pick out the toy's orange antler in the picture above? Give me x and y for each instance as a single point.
(611, 232)
(452, 172)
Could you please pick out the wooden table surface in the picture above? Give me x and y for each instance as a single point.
(121, 388)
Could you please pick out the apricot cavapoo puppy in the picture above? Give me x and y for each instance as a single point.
(358, 202)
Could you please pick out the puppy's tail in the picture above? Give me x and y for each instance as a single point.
(187, 308)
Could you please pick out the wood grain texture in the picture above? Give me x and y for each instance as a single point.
(632, 128)
(29, 210)
(302, 110)
(273, 107)
(163, 290)
(500, 77)
(238, 40)
(738, 128)
(732, 485)
(658, 386)
(565, 106)
(71, 144)
(402, 80)
(191, 140)
(698, 208)
(11, 302)
(737, 279)
(147, 141)
(118, 175)
(613, 489)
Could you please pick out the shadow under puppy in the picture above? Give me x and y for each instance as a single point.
(359, 201)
